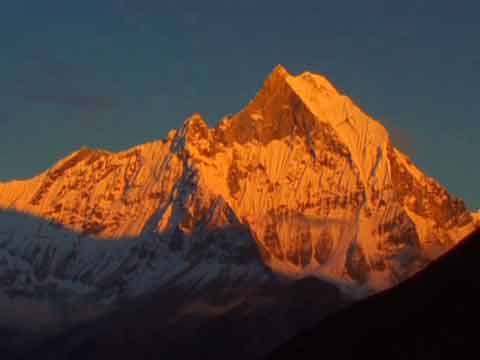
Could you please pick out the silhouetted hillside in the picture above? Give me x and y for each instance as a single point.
(177, 324)
(434, 315)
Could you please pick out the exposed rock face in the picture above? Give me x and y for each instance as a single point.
(476, 218)
(301, 177)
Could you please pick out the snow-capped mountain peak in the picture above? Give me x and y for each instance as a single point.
(301, 175)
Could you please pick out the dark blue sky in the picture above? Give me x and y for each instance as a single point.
(113, 74)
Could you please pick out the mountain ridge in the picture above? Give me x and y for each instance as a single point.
(315, 180)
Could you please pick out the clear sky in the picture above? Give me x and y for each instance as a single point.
(115, 73)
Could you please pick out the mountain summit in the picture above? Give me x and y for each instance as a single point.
(301, 177)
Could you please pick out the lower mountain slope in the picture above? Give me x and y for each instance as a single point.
(52, 279)
(433, 315)
(218, 323)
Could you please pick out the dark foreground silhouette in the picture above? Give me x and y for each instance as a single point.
(433, 315)
(145, 329)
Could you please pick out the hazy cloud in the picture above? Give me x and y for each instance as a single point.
(403, 140)
(86, 102)
(62, 84)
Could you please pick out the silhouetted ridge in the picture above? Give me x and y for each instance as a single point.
(430, 316)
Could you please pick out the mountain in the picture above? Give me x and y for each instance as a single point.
(299, 183)
(430, 316)
(314, 180)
